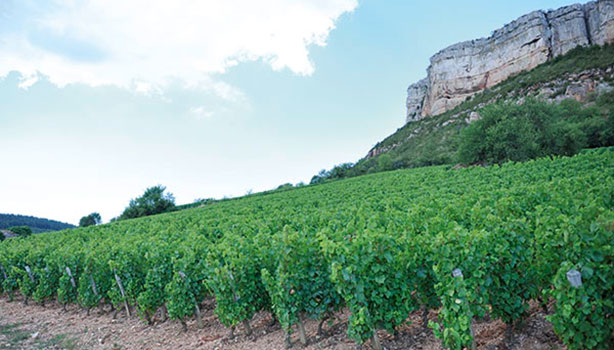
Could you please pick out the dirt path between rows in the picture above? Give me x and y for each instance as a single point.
(37, 327)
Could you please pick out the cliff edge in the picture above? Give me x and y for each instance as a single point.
(464, 69)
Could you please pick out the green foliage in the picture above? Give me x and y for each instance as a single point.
(94, 282)
(37, 225)
(511, 132)
(337, 172)
(199, 202)
(21, 230)
(9, 275)
(435, 140)
(299, 286)
(26, 281)
(235, 278)
(153, 201)
(127, 267)
(157, 278)
(49, 278)
(461, 297)
(321, 177)
(510, 282)
(90, 220)
(583, 319)
(584, 314)
(372, 272)
(66, 292)
(187, 286)
(180, 297)
(455, 315)
(153, 295)
(384, 245)
(384, 162)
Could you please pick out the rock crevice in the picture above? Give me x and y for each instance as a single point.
(464, 69)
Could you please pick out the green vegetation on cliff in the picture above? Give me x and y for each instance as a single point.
(436, 140)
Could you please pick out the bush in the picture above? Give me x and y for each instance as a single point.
(153, 201)
(521, 132)
(90, 220)
(21, 230)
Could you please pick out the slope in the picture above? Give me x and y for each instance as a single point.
(582, 74)
(37, 225)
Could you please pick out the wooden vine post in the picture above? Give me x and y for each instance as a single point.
(29, 273)
(27, 268)
(121, 290)
(248, 329)
(301, 331)
(199, 318)
(47, 272)
(94, 289)
(375, 342)
(3, 272)
(93, 284)
(72, 283)
(163, 312)
(72, 279)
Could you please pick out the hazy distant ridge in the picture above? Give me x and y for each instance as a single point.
(37, 225)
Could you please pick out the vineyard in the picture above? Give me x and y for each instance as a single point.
(469, 243)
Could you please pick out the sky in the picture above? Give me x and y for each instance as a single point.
(101, 99)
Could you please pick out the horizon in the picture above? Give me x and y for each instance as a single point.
(100, 105)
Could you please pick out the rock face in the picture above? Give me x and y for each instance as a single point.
(464, 69)
(416, 93)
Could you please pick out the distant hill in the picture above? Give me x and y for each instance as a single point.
(37, 225)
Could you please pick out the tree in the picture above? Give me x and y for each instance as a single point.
(153, 201)
(320, 178)
(384, 162)
(21, 230)
(90, 220)
(511, 132)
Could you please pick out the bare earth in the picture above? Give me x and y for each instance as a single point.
(37, 327)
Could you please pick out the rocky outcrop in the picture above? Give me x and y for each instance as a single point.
(466, 68)
(416, 93)
(583, 87)
(600, 21)
(568, 29)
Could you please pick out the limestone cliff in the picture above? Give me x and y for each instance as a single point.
(464, 69)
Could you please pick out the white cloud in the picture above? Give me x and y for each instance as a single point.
(200, 113)
(144, 45)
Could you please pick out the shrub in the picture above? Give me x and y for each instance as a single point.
(511, 132)
(21, 230)
(153, 201)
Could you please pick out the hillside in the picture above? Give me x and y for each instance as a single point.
(375, 247)
(464, 69)
(583, 74)
(38, 225)
(551, 55)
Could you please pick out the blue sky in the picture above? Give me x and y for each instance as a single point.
(102, 99)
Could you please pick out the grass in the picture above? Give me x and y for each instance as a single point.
(14, 336)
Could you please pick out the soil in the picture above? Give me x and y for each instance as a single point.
(49, 327)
